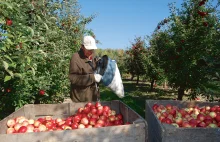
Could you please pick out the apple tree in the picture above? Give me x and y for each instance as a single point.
(186, 44)
(135, 61)
(36, 43)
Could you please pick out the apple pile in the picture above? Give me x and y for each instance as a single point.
(91, 115)
(206, 116)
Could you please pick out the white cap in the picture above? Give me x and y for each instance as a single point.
(89, 43)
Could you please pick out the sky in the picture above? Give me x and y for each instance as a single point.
(119, 22)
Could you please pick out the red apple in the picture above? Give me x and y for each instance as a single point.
(10, 130)
(111, 118)
(168, 121)
(41, 92)
(84, 121)
(95, 116)
(201, 117)
(201, 124)
(8, 22)
(186, 124)
(92, 121)
(170, 117)
(154, 107)
(97, 104)
(74, 125)
(24, 123)
(48, 118)
(68, 122)
(36, 130)
(106, 108)
(213, 114)
(207, 108)
(212, 125)
(89, 104)
(49, 125)
(76, 118)
(168, 106)
(101, 122)
(30, 128)
(11, 123)
(41, 120)
(178, 120)
(93, 110)
(31, 121)
(17, 126)
(113, 112)
(98, 125)
(80, 110)
(86, 110)
(176, 125)
(67, 128)
(37, 123)
(217, 118)
(22, 129)
(58, 120)
(172, 112)
(42, 128)
(81, 126)
(99, 110)
(104, 118)
(193, 122)
(88, 126)
(61, 123)
(165, 114)
(161, 117)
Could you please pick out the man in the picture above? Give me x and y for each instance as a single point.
(81, 73)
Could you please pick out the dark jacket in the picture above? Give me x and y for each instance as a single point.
(81, 75)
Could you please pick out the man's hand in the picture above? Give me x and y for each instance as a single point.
(98, 77)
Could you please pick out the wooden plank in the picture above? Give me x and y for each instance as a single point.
(41, 110)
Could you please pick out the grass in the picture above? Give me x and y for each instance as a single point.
(136, 95)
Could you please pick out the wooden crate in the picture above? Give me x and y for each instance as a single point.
(135, 132)
(161, 132)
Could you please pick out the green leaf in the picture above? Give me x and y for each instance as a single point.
(33, 70)
(10, 72)
(46, 26)
(54, 19)
(5, 64)
(28, 60)
(6, 56)
(9, 41)
(18, 75)
(7, 78)
(217, 74)
(31, 30)
(39, 18)
(7, 34)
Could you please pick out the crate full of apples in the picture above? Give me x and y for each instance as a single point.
(181, 121)
(78, 121)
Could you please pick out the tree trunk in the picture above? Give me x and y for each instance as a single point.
(165, 85)
(152, 85)
(180, 93)
(36, 101)
(137, 79)
(132, 77)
